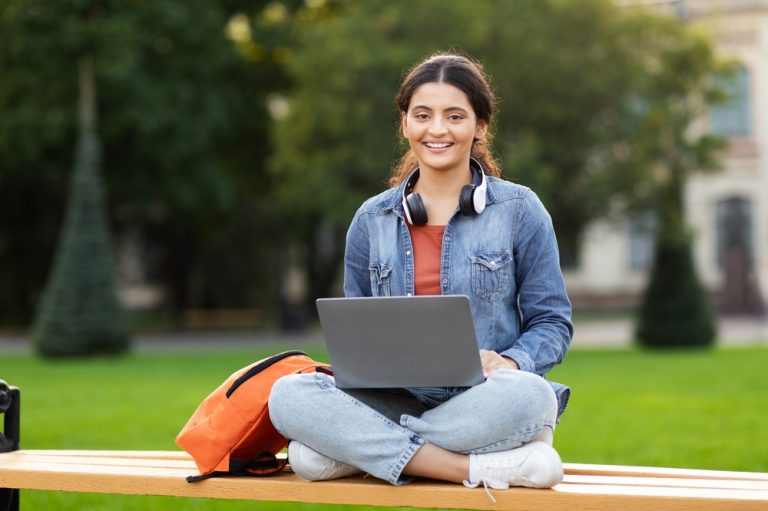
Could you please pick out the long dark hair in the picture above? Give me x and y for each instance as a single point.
(467, 76)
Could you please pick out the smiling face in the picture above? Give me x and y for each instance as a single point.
(440, 126)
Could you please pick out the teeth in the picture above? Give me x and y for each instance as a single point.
(434, 145)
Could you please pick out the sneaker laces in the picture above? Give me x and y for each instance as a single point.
(491, 479)
(497, 475)
(493, 484)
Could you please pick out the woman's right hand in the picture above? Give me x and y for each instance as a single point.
(492, 361)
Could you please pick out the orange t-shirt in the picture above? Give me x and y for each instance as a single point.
(427, 250)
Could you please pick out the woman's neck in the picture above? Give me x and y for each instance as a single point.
(438, 184)
(440, 192)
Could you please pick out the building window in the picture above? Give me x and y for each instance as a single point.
(739, 292)
(734, 231)
(733, 118)
(641, 229)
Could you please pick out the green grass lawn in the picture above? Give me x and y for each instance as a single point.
(698, 409)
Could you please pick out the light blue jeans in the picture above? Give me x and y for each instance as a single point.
(379, 430)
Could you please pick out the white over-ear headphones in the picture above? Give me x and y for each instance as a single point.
(471, 196)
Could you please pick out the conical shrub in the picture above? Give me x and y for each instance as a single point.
(675, 311)
(79, 313)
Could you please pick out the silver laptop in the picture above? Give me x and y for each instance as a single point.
(399, 341)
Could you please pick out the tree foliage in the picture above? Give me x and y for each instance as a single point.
(184, 132)
(572, 79)
(188, 91)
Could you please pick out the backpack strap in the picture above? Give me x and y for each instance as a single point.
(264, 464)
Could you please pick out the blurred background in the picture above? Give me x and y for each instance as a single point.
(174, 166)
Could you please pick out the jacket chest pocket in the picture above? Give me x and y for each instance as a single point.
(380, 282)
(491, 273)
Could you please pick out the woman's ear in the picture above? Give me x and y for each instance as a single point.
(481, 130)
(403, 126)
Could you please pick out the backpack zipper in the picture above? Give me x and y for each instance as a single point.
(261, 366)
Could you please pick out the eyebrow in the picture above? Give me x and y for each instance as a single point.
(425, 107)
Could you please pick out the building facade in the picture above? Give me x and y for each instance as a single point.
(726, 210)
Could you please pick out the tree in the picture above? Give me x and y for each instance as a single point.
(678, 87)
(184, 131)
(569, 77)
(80, 313)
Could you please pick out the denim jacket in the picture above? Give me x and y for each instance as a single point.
(505, 260)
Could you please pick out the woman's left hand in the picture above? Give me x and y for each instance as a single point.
(492, 361)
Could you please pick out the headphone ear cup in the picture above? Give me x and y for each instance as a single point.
(466, 202)
(417, 209)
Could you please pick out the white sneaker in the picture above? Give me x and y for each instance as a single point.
(313, 466)
(536, 465)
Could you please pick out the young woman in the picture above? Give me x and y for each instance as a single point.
(449, 225)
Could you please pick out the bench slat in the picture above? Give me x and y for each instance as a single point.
(47, 459)
(357, 491)
(689, 473)
(164, 475)
(83, 461)
(160, 455)
(570, 468)
(677, 482)
(735, 480)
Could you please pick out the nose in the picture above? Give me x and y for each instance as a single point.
(437, 127)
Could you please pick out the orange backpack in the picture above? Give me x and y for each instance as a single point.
(230, 432)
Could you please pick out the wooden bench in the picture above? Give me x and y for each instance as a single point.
(584, 488)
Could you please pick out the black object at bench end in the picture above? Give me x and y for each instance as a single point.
(10, 406)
